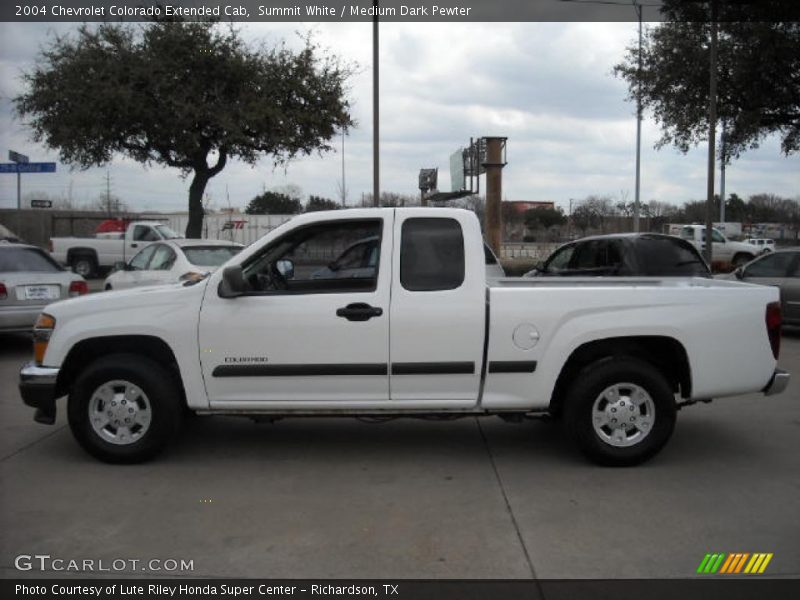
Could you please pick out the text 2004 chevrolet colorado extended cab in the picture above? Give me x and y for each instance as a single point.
(407, 326)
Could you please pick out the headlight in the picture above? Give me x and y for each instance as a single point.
(42, 331)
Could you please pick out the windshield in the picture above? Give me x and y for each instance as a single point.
(167, 233)
(17, 260)
(210, 256)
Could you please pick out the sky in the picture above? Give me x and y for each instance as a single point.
(548, 87)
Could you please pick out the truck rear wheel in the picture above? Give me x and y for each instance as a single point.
(741, 259)
(620, 411)
(84, 265)
(124, 408)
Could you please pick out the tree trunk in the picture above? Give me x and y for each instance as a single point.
(194, 228)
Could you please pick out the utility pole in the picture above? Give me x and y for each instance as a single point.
(108, 193)
(723, 160)
(376, 174)
(712, 134)
(344, 181)
(494, 164)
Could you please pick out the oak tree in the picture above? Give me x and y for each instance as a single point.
(188, 95)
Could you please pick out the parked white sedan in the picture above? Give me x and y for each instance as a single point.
(171, 261)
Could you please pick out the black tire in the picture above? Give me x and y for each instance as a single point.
(599, 377)
(160, 392)
(84, 265)
(108, 287)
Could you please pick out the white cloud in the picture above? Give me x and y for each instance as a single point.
(547, 86)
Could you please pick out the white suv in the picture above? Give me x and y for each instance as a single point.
(763, 244)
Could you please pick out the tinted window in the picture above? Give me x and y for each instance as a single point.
(431, 255)
(144, 233)
(139, 261)
(15, 260)
(316, 253)
(668, 257)
(488, 255)
(603, 255)
(167, 233)
(210, 256)
(772, 265)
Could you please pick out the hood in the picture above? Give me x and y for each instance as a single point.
(151, 296)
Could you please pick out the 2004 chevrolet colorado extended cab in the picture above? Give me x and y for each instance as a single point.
(410, 328)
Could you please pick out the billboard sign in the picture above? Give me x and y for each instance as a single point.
(458, 180)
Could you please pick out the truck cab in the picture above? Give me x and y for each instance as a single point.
(723, 250)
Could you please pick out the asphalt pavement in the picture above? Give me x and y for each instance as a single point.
(323, 498)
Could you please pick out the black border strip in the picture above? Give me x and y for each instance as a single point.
(434, 368)
(300, 370)
(512, 366)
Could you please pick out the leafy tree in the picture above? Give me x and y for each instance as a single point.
(316, 203)
(758, 62)
(274, 203)
(189, 95)
(544, 217)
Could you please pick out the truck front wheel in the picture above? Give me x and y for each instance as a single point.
(620, 411)
(124, 408)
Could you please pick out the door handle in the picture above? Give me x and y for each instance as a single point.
(359, 311)
(134, 245)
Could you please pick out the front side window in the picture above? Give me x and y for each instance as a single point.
(139, 262)
(560, 260)
(163, 258)
(431, 254)
(145, 233)
(321, 258)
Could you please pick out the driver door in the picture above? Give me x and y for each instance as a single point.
(307, 338)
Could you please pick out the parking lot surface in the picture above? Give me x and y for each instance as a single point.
(321, 498)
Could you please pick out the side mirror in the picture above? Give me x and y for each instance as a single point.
(232, 284)
(333, 266)
(739, 273)
(120, 265)
(286, 268)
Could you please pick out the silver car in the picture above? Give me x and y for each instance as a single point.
(780, 269)
(29, 281)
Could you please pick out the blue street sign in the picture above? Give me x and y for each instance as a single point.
(45, 167)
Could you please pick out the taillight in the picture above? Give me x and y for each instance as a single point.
(3, 291)
(78, 288)
(774, 320)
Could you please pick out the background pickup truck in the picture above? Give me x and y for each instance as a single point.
(86, 256)
(420, 333)
(724, 250)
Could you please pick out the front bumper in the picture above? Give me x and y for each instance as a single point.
(37, 386)
(778, 383)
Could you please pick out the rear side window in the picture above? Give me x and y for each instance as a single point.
(669, 257)
(431, 255)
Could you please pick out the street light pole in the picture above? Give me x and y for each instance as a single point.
(636, 201)
(376, 183)
(712, 134)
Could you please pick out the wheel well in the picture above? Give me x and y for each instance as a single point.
(664, 353)
(85, 352)
(74, 253)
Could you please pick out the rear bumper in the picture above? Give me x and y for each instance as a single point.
(37, 386)
(19, 318)
(780, 379)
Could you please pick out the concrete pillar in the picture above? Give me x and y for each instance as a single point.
(494, 164)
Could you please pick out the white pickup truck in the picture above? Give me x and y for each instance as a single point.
(723, 250)
(87, 256)
(420, 333)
